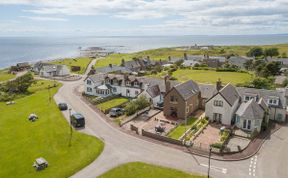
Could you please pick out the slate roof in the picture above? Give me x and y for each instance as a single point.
(229, 93)
(160, 83)
(187, 89)
(238, 60)
(207, 90)
(263, 104)
(37, 66)
(265, 94)
(153, 91)
(114, 68)
(190, 62)
(250, 110)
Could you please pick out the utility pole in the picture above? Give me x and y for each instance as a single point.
(71, 129)
(49, 93)
(209, 161)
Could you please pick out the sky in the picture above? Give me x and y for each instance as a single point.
(142, 17)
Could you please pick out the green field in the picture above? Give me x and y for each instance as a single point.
(143, 170)
(4, 75)
(210, 76)
(22, 141)
(112, 103)
(83, 62)
(180, 129)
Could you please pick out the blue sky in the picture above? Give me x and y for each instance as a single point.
(142, 17)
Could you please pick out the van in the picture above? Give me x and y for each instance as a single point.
(77, 120)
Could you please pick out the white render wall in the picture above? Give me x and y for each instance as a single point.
(273, 113)
(226, 110)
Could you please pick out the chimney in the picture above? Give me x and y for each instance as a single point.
(218, 84)
(167, 83)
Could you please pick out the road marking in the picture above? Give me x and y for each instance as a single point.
(253, 163)
(219, 169)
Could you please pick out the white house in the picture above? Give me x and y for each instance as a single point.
(111, 84)
(153, 94)
(54, 70)
(222, 106)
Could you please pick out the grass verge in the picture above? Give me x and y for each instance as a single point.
(83, 62)
(143, 170)
(22, 141)
(180, 129)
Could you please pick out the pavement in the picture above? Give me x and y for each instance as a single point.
(122, 148)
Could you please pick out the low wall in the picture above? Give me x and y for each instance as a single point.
(130, 118)
(134, 128)
(161, 138)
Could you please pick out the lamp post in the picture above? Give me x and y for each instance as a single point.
(209, 161)
(71, 129)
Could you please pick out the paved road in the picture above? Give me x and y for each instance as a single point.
(122, 148)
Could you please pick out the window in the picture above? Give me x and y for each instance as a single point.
(136, 84)
(237, 119)
(173, 98)
(136, 92)
(218, 103)
(88, 82)
(128, 83)
(89, 89)
(244, 124)
(273, 102)
(114, 89)
(249, 124)
(108, 80)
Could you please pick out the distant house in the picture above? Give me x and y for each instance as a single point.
(37, 66)
(189, 63)
(238, 61)
(181, 100)
(113, 69)
(20, 67)
(137, 65)
(214, 61)
(54, 71)
(283, 61)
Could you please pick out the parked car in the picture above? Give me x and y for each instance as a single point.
(114, 112)
(77, 120)
(62, 106)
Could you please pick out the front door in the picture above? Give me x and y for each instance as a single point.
(217, 117)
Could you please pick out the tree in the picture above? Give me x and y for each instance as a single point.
(284, 55)
(20, 84)
(248, 65)
(271, 52)
(262, 83)
(255, 52)
(272, 68)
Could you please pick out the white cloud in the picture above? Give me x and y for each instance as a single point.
(42, 18)
(181, 14)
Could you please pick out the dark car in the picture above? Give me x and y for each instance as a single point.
(77, 120)
(62, 106)
(114, 112)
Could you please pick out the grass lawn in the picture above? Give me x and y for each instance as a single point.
(143, 170)
(112, 103)
(83, 62)
(22, 141)
(209, 76)
(4, 75)
(180, 129)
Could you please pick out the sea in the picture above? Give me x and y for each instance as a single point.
(31, 49)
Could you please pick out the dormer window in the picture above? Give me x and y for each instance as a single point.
(248, 98)
(128, 83)
(136, 83)
(88, 82)
(273, 101)
(108, 80)
(115, 82)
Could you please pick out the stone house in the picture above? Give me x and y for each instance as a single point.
(181, 100)
(54, 70)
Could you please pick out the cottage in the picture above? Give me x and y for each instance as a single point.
(222, 106)
(251, 114)
(238, 61)
(181, 100)
(54, 71)
(113, 69)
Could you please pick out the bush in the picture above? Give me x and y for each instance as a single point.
(217, 145)
(136, 105)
